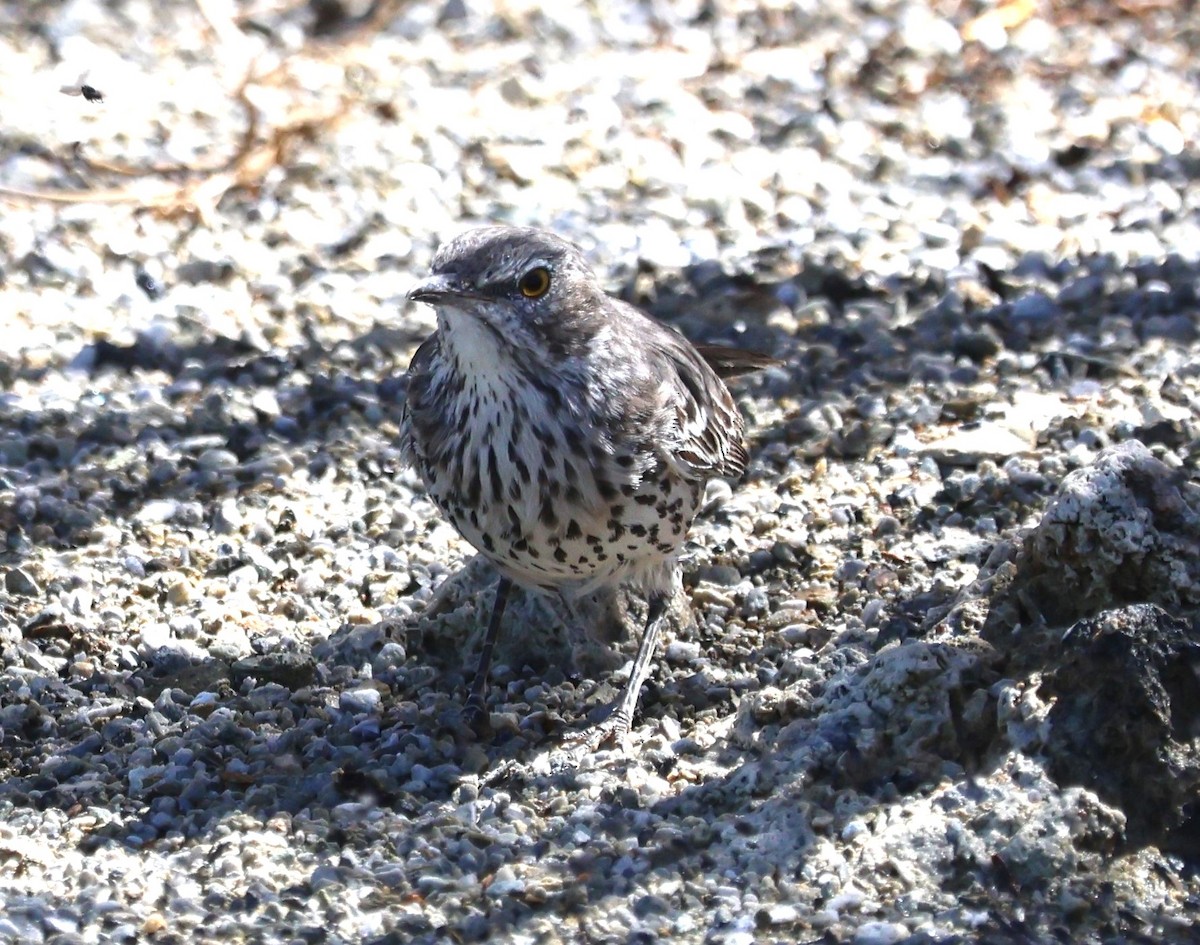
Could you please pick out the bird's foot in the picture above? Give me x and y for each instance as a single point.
(611, 730)
(477, 717)
(570, 754)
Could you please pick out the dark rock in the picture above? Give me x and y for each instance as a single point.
(18, 581)
(1126, 723)
(1124, 530)
(288, 669)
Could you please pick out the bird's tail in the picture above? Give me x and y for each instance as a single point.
(733, 362)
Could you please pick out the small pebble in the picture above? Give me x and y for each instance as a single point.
(18, 581)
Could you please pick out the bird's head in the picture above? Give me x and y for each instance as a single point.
(515, 288)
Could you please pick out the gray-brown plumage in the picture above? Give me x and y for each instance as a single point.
(565, 434)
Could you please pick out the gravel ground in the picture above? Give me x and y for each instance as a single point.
(941, 681)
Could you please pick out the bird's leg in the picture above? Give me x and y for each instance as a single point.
(616, 726)
(476, 709)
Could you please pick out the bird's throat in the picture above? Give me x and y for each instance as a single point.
(473, 344)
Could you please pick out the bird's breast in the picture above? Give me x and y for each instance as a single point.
(539, 484)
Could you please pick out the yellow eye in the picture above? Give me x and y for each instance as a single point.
(535, 283)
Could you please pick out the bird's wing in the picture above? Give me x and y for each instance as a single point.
(707, 433)
(418, 370)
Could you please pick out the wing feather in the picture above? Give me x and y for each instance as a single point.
(418, 371)
(707, 430)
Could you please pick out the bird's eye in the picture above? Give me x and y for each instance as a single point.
(535, 283)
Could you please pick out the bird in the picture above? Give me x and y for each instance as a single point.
(81, 87)
(567, 435)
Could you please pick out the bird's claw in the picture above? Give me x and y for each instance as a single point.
(610, 731)
(477, 718)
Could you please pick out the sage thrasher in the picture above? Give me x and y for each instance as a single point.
(565, 434)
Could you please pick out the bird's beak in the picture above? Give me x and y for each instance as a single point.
(436, 289)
